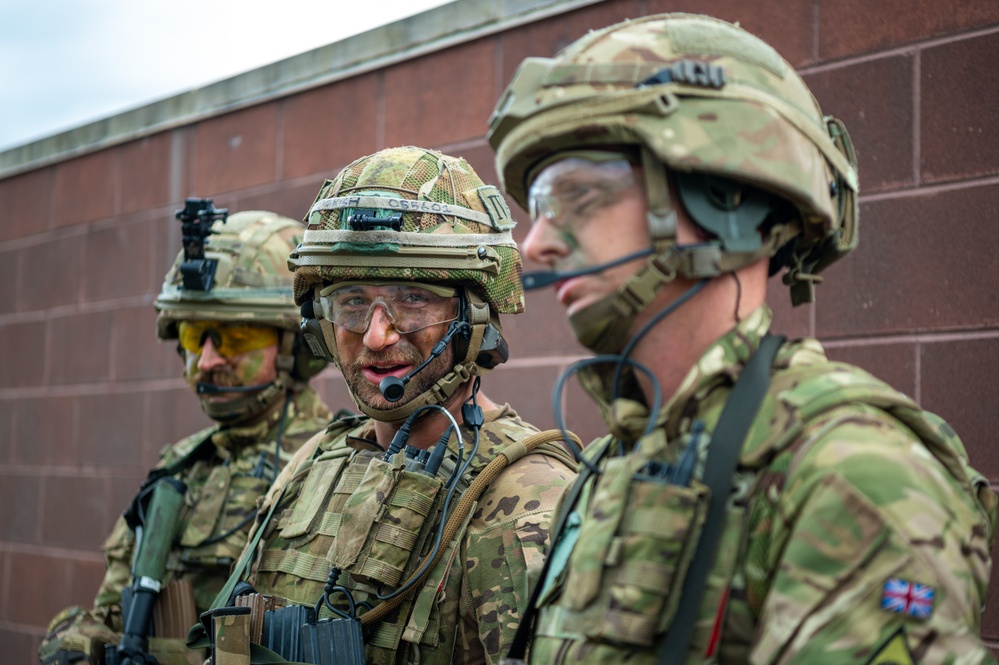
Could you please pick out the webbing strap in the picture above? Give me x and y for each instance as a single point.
(723, 455)
(300, 564)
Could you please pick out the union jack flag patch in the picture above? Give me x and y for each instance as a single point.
(909, 598)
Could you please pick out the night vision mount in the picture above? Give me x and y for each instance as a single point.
(196, 218)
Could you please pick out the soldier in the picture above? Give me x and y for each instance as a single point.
(404, 518)
(754, 501)
(244, 357)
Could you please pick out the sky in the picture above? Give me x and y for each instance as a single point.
(65, 63)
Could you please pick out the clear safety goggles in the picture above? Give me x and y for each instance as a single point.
(229, 339)
(409, 306)
(570, 190)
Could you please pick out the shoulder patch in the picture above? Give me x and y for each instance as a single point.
(893, 652)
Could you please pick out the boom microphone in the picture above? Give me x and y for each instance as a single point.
(392, 388)
(539, 279)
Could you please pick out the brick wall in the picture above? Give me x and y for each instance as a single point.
(88, 396)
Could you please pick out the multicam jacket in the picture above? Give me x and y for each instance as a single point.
(223, 487)
(341, 502)
(856, 531)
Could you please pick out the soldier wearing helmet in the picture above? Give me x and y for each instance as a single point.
(235, 325)
(412, 533)
(754, 501)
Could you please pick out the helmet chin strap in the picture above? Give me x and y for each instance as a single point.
(252, 400)
(465, 368)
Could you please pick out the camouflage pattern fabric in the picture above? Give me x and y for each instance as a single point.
(857, 532)
(486, 259)
(222, 491)
(469, 606)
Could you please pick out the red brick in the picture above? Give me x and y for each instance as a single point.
(327, 128)
(790, 321)
(874, 100)
(19, 524)
(49, 273)
(442, 97)
(915, 271)
(7, 442)
(846, 25)
(960, 109)
(26, 203)
(116, 261)
(894, 364)
(290, 201)
(145, 173)
(542, 330)
(85, 188)
(86, 576)
(481, 158)
(26, 367)
(545, 38)
(582, 415)
(44, 431)
(166, 245)
(37, 588)
(235, 151)
(122, 490)
(173, 415)
(138, 354)
(958, 383)
(527, 389)
(80, 347)
(75, 512)
(787, 26)
(10, 292)
(110, 430)
(20, 646)
(333, 391)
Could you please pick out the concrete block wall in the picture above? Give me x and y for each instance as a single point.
(88, 396)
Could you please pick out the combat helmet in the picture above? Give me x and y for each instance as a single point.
(414, 215)
(250, 283)
(755, 162)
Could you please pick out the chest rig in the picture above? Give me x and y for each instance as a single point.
(626, 543)
(388, 529)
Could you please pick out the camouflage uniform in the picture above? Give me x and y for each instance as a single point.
(354, 514)
(227, 467)
(222, 492)
(856, 530)
(469, 606)
(813, 534)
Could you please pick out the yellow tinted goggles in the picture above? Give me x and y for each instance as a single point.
(229, 339)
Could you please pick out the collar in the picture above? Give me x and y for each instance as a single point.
(720, 365)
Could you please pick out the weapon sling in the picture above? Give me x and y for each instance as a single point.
(723, 455)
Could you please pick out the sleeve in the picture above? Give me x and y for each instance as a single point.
(881, 555)
(508, 540)
(118, 550)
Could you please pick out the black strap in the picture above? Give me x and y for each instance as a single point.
(723, 455)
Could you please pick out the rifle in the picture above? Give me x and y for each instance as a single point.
(157, 524)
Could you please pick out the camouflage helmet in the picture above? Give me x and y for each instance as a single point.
(416, 215)
(705, 100)
(252, 284)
